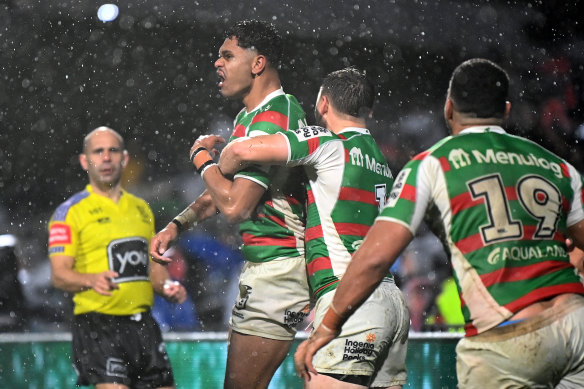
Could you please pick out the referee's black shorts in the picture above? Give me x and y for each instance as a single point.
(120, 349)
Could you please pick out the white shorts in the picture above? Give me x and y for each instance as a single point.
(544, 351)
(373, 342)
(273, 299)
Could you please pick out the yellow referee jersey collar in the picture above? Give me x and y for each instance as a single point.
(89, 188)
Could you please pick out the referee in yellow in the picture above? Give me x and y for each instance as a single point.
(98, 246)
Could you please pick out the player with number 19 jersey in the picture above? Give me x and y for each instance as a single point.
(506, 204)
(277, 229)
(348, 179)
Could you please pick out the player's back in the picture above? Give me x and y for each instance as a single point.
(504, 213)
(348, 181)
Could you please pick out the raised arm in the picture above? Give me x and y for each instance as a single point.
(265, 149)
(237, 198)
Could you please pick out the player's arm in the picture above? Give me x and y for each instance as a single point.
(65, 277)
(162, 284)
(369, 265)
(264, 149)
(201, 209)
(235, 199)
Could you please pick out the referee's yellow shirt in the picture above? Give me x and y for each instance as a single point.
(102, 235)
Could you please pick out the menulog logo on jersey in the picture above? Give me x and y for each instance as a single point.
(129, 258)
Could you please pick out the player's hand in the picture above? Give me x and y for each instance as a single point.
(160, 242)
(104, 283)
(208, 142)
(307, 349)
(174, 292)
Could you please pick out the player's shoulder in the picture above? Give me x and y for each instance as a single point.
(70, 205)
(282, 102)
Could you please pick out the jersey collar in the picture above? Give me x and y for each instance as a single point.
(479, 129)
(355, 129)
(89, 188)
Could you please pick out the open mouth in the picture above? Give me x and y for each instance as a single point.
(221, 79)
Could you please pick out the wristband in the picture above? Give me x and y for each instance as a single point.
(194, 153)
(332, 321)
(202, 158)
(205, 166)
(178, 225)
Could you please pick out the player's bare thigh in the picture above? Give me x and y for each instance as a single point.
(253, 360)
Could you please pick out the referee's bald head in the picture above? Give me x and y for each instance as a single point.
(88, 137)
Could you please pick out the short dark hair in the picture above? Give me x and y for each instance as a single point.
(480, 88)
(260, 36)
(349, 91)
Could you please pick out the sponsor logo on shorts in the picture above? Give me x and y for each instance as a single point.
(358, 350)
(292, 319)
(129, 258)
(59, 234)
(116, 367)
(244, 292)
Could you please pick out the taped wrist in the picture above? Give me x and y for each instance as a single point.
(185, 219)
(332, 320)
(201, 159)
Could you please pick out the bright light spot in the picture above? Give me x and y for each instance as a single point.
(108, 12)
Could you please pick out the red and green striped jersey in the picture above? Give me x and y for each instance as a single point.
(348, 177)
(502, 205)
(276, 230)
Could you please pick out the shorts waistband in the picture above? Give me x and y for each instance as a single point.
(103, 316)
(530, 324)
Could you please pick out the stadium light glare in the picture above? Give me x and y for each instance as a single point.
(108, 12)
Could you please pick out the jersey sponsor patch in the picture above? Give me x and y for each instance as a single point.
(129, 258)
(59, 234)
(309, 132)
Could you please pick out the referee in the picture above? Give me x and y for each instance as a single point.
(98, 246)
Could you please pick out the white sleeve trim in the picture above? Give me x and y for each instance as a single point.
(251, 179)
(397, 221)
